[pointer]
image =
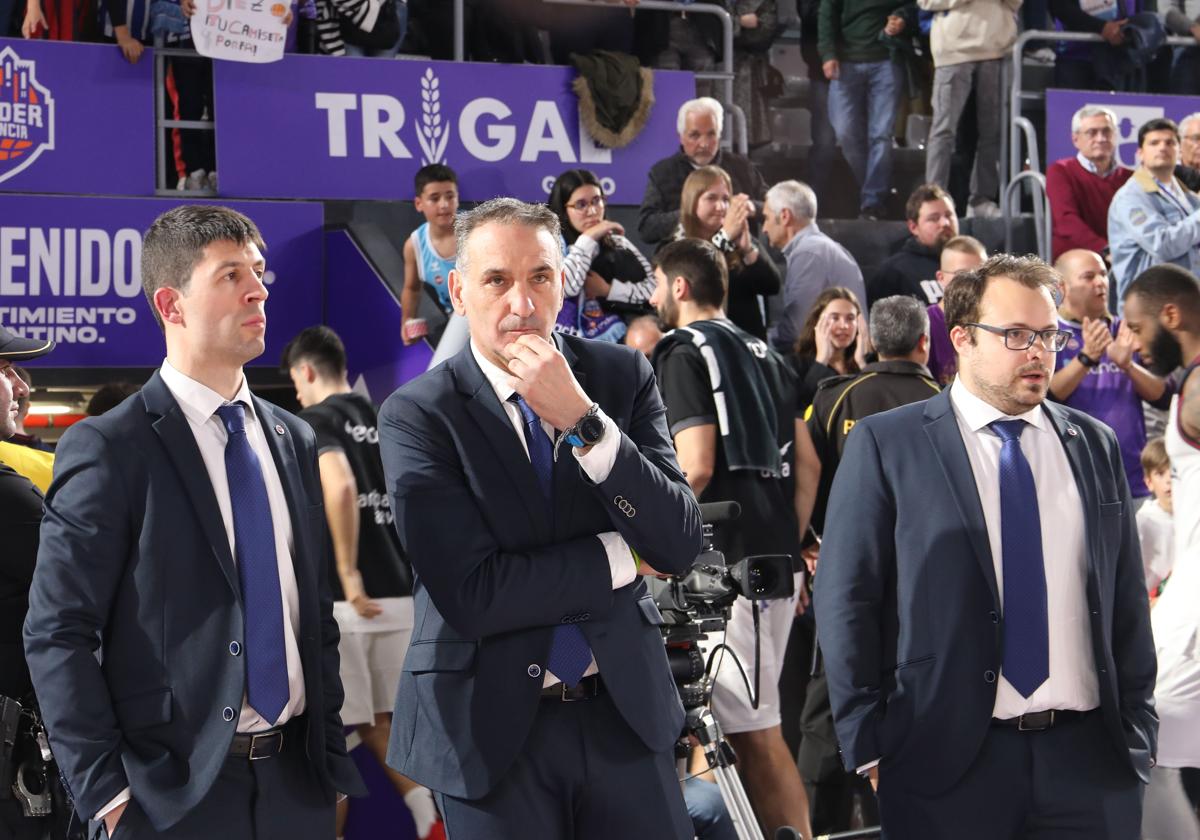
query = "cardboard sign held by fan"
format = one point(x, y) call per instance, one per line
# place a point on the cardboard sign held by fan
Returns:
point(251, 31)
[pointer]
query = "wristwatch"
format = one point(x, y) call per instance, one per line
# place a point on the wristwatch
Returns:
point(1087, 361)
point(588, 430)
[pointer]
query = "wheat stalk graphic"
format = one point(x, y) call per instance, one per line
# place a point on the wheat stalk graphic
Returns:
point(433, 135)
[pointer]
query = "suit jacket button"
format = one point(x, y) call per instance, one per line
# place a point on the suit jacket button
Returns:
point(989, 676)
point(279, 428)
point(994, 616)
point(534, 671)
point(227, 713)
point(234, 648)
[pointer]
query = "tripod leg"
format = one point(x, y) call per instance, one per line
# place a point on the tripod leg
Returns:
point(740, 812)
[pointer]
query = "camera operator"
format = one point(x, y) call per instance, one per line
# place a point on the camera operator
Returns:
point(20, 519)
point(731, 409)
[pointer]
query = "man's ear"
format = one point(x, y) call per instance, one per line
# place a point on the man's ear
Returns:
point(1170, 316)
point(912, 227)
point(166, 304)
point(680, 288)
point(455, 281)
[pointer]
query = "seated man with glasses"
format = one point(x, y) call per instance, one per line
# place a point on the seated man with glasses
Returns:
point(1080, 188)
point(1188, 169)
point(980, 599)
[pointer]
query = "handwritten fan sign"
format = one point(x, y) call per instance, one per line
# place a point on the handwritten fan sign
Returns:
point(251, 31)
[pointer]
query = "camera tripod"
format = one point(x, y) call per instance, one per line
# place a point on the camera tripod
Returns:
point(701, 724)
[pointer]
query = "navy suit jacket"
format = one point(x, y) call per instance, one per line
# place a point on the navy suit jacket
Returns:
point(135, 561)
point(907, 609)
point(497, 569)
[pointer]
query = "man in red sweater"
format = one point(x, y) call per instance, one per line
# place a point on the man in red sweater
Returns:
point(1081, 188)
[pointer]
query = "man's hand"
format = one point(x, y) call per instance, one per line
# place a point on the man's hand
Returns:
point(35, 22)
point(749, 21)
point(365, 607)
point(131, 47)
point(894, 26)
point(873, 775)
point(1096, 337)
point(811, 555)
point(113, 817)
point(1120, 350)
point(542, 376)
point(188, 7)
point(1112, 32)
point(1195, 30)
point(831, 69)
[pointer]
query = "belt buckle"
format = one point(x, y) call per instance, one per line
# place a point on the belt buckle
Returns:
point(566, 697)
point(264, 735)
point(1021, 727)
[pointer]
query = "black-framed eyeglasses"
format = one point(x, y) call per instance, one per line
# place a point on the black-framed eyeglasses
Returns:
point(583, 204)
point(1022, 338)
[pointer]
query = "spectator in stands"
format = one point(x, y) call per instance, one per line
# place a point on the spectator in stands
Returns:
point(370, 578)
point(1185, 71)
point(644, 334)
point(1162, 308)
point(699, 124)
point(57, 20)
point(1153, 218)
point(604, 273)
point(761, 458)
point(970, 42)
point(192, 76)
point(429, 250)
point(1097, 372)
point(900, 333)
point(828, 344)
point(20, 436)
point(1188, 170)
point(814, 261)
point(712, 212)
point(962, 253)
point(108, 396)
point(755, 81)
point(864, 90)
point(693, 43)
point(1081, 188)
point(1089, 66)
point(912, 270)
point(823, 151)
point(362, 28)
point(1155, 519)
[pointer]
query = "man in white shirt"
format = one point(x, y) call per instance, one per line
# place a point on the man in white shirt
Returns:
point(184, 538)
point(980, 601)
point(533, 483)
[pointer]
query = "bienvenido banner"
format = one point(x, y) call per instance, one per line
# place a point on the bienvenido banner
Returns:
point(75, 118)
point(361, 128)
point(70, 270)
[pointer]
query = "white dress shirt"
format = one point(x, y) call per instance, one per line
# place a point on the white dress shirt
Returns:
point(1072, 683)
point(199, 404)
point(597, 462)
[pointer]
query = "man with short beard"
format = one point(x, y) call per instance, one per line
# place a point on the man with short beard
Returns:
point(913, 269)
point(1162, 309)
point(980, 600)
point(1098, 372)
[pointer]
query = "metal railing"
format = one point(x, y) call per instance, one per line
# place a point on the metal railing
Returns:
point(163, 124)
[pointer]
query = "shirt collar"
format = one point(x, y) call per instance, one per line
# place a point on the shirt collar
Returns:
point(977, 414)
point(496, 376)
point(198, 401)
point(1091, 167)
point(810, 229)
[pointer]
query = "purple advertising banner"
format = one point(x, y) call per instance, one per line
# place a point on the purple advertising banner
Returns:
point(75, 118)
point(316, 127)
point(1132, 110)
point(363, 310)
point(70, 270)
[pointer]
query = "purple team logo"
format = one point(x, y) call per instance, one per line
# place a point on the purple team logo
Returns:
point(26, 114)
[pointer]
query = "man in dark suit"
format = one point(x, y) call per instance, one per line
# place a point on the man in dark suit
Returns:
point(980, 599)
point(532, 481)
point(184, 539)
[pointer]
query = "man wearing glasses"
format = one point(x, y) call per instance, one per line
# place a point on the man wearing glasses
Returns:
point(980, 599)
point(1080, 188)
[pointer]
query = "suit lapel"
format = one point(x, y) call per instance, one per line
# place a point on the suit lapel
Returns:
point(180, 444)
point(484, 407)
point(942, 428)
point(283, 452)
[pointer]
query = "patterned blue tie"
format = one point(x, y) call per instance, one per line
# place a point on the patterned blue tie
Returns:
point(570, 654)
point(258, 569)
point(1026, 628)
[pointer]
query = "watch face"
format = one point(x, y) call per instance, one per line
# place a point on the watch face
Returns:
point(591, 429)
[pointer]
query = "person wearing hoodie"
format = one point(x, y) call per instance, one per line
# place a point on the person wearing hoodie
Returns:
point(969, 40)
point(912, 270)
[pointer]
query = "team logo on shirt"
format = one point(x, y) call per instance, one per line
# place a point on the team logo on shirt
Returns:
point(26, 114)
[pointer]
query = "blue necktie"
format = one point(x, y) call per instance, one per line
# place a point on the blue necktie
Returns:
point(570, 654)
point(1026, 627)
point(258, 570)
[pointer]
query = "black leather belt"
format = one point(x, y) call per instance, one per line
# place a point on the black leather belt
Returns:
point(258, 745)
point(586, 689)
point(1038, 721)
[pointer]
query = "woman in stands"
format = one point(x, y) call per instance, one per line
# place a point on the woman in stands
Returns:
point(828, 344)
point(708, 209)
point(606, 276)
